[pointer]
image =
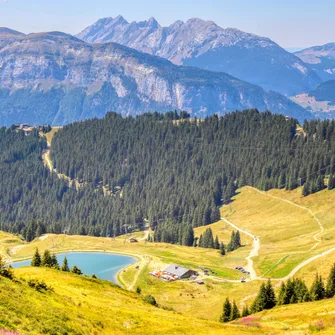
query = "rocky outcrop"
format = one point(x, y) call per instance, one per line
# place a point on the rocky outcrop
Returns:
point(204, 44)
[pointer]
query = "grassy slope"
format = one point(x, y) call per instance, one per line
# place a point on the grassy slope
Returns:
point(286, 231)
point(286, 234)
point(85, 306)
point(299, 319)
point(82, 305)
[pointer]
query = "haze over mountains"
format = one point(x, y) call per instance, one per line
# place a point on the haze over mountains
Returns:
point(204, 44)
point(56, 78)
point(321, 59)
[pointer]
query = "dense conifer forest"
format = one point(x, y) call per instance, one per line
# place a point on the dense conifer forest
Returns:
point(155, 169)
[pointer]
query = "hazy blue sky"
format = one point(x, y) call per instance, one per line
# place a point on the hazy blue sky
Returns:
point(291, 23)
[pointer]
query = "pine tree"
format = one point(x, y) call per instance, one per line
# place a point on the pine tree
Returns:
point(261, 300)
point(305, 189)
point(188, 236)
point(65, 266)
point(237, 240)
point(245, 311)
point(270, 296)
point(222, 249)
point(317, 291)
point(282, 294)
point(216, 243)
point(54, 262)
point(47, 259)
point(330, 290)
point(235, 313)
point(36, 261)
point(200, 244)
point(331, 182)
point(226, 313)
point(76, 270)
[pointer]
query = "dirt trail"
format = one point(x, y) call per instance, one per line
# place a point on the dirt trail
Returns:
point(254, 251)
point(316, 236)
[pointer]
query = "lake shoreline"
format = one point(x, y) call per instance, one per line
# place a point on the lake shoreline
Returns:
point(116, 277)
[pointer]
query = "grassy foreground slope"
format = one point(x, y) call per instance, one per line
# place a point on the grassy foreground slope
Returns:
point(82, 305)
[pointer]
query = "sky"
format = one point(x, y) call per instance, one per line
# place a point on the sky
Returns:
point(294, 24)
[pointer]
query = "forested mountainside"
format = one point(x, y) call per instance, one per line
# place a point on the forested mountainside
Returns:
point(54, 78)
point(206, 45)
point(152, 168)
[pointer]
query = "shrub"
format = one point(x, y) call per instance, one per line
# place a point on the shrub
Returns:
point(150, 300)
point(39, 285)
point(318, 326)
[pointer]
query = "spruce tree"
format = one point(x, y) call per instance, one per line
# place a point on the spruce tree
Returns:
point(305, 189)
point(47, 259)
point(245, 311)
point(317, 291)
point(282, 294)
point(200, 244)
point(270, 296)
point(226, 313)
point(65, 265)
point(237, 240)
point(76, 270)
point(54, 262)
point(188, 237)
point(330, 289)
point(216, 243)
point(235, 313)
point(331, 182)
point(222, 249)
point(36, 261)
point(261, 300)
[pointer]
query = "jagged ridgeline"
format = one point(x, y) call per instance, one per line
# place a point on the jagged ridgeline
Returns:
point(156, 169)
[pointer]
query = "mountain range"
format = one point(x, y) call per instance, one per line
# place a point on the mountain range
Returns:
point(56, 78)
point(321, 59)
point(204, 44)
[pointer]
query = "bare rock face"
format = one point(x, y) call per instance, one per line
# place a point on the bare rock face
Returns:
point(57, 78)
point(204, 44)
point(321, 59)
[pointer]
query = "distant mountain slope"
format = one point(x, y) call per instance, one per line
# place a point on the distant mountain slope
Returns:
point(204, 44)
point(325, 92)
point(320, 101)
point(321, 59)
point(56, 78)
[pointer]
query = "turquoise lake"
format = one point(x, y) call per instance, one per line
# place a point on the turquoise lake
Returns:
point(104, 266)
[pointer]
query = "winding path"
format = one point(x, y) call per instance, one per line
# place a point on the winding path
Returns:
point(316, 236)
point(256, 246)
point(254, 251)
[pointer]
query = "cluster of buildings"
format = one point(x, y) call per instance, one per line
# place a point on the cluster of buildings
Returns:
point(174, 272)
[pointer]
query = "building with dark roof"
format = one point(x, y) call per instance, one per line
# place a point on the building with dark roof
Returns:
point(178, 271)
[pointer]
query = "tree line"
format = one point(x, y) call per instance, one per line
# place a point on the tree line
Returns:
point(49, 260)
point(292, 292)
point(154, 169)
